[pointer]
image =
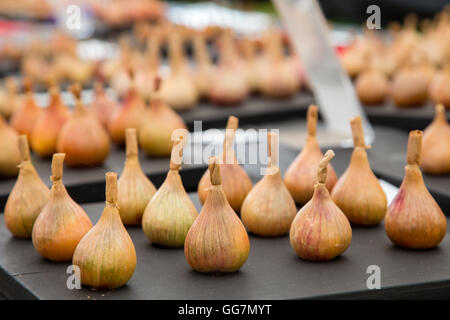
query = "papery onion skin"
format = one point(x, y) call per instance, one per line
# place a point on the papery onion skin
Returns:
point(45, 132)
point(441, 87)
point(358, 192)
point(230, 85)
point(179, 89)
point(82, 138)
point(102, 106)
point(235, 183)
point(436, 145)
point(282, 82)
point(170, 213)
point(157, 125)
point(106, 255)
point(89, 148)
point(268, 209)
point(308, 236)
point(217, 241)
point(372, 87)
point(62, 223)
point(409, 88)
point(300, 175)
point(353, 62)
point(414, 220)
point(320, 230)
point(12, 100)
point(127, 116)
point(280, 78)
point(24, 118)
point(434, 86)
point(204, 72)
point(9, 155)
point(27, 198)
point(135, 190)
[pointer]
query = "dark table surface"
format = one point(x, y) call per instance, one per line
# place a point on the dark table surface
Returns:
point(273, 271)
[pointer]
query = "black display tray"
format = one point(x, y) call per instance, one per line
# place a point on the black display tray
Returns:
point(402, 118)
point(87, 184)
point(273, 271)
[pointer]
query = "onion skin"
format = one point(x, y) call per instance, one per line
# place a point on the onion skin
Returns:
point(83, 139)
point(409, 88)
point(203, 73)
point(435, 83)
point(442, 89)
point(24, 118)
point(27, 198)
point(48, 125)
point(179, 89)
point(414, 219)
point(134, 188)
point(320, 230)
point(155, 131)
point(235, 182)
point(217, 241)
point(9, 155)
point(127, 116)
point(12, 100)
point(353, 62)
point(150, 66)
point(280, 78)
point(229, 86)
point(436, 145)
point(372, 87)
point(102, 106)
point(300, 176)
point(106, 255)
point(281, 81)
point(120, 81)
point(253, 63)
point(62, 223)
point(254, 68)
point(268, 209)
point(359, 194)
point(203, 77)
point(170, 213)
